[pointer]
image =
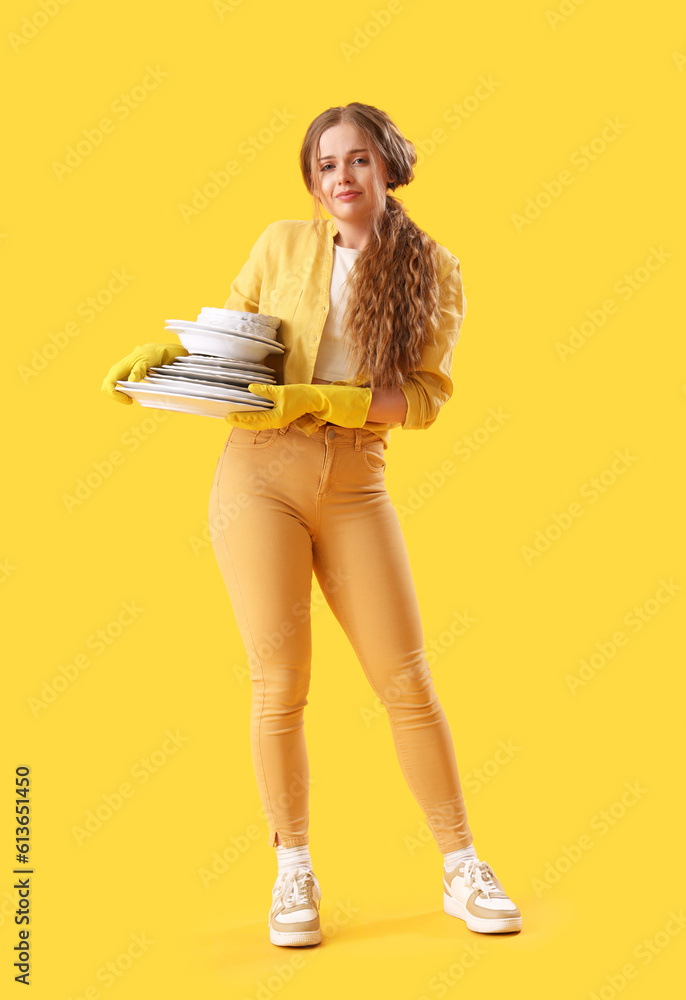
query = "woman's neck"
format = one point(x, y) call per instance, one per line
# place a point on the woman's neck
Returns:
point(351, 237)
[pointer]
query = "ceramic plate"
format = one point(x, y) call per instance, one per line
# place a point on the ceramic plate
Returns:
point(159, 400)
point(210, 360)
point(190, 381)
point(210, 375)
point(199, 392)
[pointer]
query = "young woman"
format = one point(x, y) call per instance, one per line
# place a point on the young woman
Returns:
point(371, 309)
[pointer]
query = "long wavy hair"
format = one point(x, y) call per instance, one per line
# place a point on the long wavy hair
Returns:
point(393, 294)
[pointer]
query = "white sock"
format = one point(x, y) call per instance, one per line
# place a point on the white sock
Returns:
point(289, 858)
point(452, 858)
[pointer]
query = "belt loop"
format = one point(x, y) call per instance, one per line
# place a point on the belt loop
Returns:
point(282, 430)
point(358, 438)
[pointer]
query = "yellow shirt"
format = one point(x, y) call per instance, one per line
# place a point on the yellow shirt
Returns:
point(287, 275)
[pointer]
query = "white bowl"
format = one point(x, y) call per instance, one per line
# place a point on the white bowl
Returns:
point(226, 345)
point(263, 333)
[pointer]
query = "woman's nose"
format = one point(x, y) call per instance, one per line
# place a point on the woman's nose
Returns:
point(344, 175)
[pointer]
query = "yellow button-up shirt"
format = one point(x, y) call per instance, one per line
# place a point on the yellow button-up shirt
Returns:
point(289, 276)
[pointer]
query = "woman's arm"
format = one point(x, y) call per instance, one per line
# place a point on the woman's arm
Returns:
point(244, 295)
point(388, 406)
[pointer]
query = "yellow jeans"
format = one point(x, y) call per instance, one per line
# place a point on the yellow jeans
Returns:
point(284, 504)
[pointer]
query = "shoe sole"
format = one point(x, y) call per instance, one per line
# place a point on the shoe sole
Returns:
point(495, 925)
point(294, 938)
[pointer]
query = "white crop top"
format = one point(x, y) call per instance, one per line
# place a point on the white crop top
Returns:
point(331, 363)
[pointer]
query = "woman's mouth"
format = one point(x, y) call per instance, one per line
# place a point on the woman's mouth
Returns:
point(348, 196)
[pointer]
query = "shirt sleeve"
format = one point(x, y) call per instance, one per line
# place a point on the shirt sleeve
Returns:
point(245, 287)
point(429, 388)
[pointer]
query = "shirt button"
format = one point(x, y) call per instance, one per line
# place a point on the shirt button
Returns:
point(331, 433)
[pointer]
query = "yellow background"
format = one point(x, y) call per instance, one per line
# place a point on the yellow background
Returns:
point(179, 666)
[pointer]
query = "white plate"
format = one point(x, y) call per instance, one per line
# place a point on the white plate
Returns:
point(241, 316)
point(201, 392)
point(221, 366)
point(207, 380)
point(210, 361)
point(191, 387)
point(208, 383)
point(236, 331)
point(210, 374)
point(182, 404)
point(232, 346)
point(229, 372)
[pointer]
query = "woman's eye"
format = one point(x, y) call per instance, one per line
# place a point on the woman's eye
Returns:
point(362, 159)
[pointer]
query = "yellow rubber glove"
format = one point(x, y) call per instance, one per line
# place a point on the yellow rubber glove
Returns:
point(345, 405)
point(134, 366)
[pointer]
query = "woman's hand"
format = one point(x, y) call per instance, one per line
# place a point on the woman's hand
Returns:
point(290, 402)
point(344, 405)
point(134, 366)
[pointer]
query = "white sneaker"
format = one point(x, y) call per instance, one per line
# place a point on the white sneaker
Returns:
point(294, 914)
point(474, 894)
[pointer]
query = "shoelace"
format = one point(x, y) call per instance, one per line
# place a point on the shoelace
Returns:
point(294, 887)
point(480, 874)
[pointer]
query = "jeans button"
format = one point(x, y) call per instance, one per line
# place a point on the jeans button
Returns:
point(331, 433)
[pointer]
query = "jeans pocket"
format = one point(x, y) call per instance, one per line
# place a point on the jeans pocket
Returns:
point(373, 459)
point(244, 437)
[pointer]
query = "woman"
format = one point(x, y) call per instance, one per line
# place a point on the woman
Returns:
point(370, 309)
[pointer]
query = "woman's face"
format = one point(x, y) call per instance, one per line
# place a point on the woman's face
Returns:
point(345, 165)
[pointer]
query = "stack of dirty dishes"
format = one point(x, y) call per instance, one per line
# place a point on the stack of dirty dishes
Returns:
point(226, 348)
